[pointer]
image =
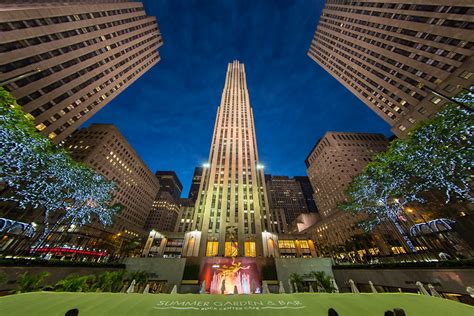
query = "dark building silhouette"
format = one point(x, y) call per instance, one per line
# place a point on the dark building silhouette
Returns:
point(169, 182)
point(308, 192)
point(286, 194)
point(194, 190)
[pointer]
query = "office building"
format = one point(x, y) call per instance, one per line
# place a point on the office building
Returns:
point(286, 194)
point(169, 182)
point(196, 181)
point(104, 148)
point(402, 59)
point(335, 159)
point(164, 213)
point(308, 192)
point(65, 60)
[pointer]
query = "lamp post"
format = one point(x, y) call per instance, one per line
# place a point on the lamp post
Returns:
point(26, 74)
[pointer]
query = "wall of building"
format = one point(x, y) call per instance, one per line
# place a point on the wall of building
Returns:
point(105, 149)
point(162, 269)
point(67, 44)
point(393, 55)
point(286, 266)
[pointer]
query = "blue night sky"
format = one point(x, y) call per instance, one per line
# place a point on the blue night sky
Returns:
point(168, 114)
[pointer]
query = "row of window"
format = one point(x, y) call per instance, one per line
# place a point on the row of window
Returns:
point(406, 6)
point(75, 75)
point(16, 25)
point(77, 117)
point(410, 18)
point(65, 49)
point(23, 43)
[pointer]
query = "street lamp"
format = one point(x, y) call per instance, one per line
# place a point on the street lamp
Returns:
point(26, 74)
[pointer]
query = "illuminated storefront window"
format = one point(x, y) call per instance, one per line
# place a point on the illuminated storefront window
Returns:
point(286, 244)
point(304, 244)
point(212, 248)
point(398, 250)
point(231, 249)
point(250, 249)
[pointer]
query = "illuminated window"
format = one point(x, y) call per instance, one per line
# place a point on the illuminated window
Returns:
point(250, 249)
point(436, 100)
point(398, 250)
point(231, 249)
point(52, 135)
point(465, 75)
point(40, 127)
point(304, 244)
point(286, 244)
point(212, 247)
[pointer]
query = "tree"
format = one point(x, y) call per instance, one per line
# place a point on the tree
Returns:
point(75, 283)
point(437, 155)
point(298, 281)
point(378, 191)
point(44, 177)
point(440, 153)
point(110, 281)
point(322, 280)
point(140, 277)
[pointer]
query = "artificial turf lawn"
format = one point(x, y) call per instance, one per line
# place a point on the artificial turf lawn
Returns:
point(116, 304)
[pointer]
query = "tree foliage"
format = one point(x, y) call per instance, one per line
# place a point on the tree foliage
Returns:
point(75, 283)
point(44, 176)
point(110, 281)
point(437, 155)
point(30, 283)
point(321, 281)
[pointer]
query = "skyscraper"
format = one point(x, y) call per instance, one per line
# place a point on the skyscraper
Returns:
point(194, 189)
point(398, 57)
point(286, 194)
point(169, 182)
point(164, 213)
point(308, 192)
point(65, 60)
point(104, 148)
point(232, 207)
point(335, 159)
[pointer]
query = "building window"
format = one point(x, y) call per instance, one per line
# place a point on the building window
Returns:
point(40, 127)
point(304, 244)
point(449, 88)
point(231, 249)
point(465, 75)
point(402, 128)
point(436, 100)
point(250, 249)
point(286, 244)
point(212, 248)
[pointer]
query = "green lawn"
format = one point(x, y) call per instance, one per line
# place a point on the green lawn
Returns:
point(116, 304)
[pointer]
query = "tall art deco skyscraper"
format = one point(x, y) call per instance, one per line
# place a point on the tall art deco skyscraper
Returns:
point(232, 210)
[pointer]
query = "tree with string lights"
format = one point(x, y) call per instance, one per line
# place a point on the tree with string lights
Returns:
point(437, 155)
point(36, 174)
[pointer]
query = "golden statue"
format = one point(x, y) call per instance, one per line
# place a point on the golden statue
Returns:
point(225, 270)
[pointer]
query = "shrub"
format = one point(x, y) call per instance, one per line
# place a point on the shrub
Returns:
point(30, 283)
